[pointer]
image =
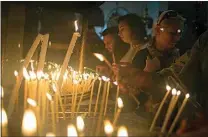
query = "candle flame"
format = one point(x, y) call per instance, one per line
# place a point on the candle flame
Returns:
point(105, 78)
point(80, 124)
point(99, 56)
point(122, 132)
point(49, 96)
point(187, 95)
point(39, 74)
point(2, 92)
point(46, 76)
point(108, 127)
point(178, 92)
point(76, 25)
point(50, 134)
point(120, 102)
point(75, 81)
point(31, 102)
point(115, 82)
point(168, 88)
point(71, 131)
point(25, 74)
point(29, 123)
point(54, 87)
point(4, 119)
point(15, 73)
point(19, 46)
point(174, 92)
point(32, 75)
point(65, 75)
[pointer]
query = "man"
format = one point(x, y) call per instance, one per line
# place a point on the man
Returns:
point(115, 48)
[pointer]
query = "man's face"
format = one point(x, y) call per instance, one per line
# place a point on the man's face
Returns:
point(125, 32)
point(169, 35)
point(109, 41)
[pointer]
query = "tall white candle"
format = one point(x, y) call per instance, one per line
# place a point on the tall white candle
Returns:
point(168, 88)
point(179, 113)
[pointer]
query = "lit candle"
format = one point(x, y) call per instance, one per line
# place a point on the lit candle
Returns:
point(43, 51)
point(91, 95)
point(80, 125)
point(179, 113)
point(68, 54)
point(52, 112)
point(168, 88)
point(106, 99)
point(117, 94)
point(4, 122)
point(99, 89)
point(122, 132)
point(29, 123)
point(168, 114)
point(120, 106)
point(71, 131)
point(27, 78)
point(101, 105)
point(108, 128)
point(102, 58)
point(15, 90)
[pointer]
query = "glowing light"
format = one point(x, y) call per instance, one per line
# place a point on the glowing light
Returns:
point(49, 134)
point(122, 132)
point(187, 95)
point(15, 73)
point(99, 56)
point(80, 123)
point(76, 25)
point(4, 119)
point(120, 102)
point(174, 92)
point(168, 88)
point(71, 131)
point(49, 96)
point(31, 102)
point(108, 127)
point(25, 74)
point(29, 123)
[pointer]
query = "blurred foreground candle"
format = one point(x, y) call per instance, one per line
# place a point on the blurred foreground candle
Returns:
point(26, 85)
point(71, 131)
point(179, 113)
point(168, 88)
point(120, 106)
point(108, 128)
point(4, 122)
point(50, 134)
point(122, 132)
point(29, 123)
point(80, 126)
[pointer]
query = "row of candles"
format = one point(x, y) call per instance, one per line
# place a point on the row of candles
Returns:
point(172, 104)
point(30, 123)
